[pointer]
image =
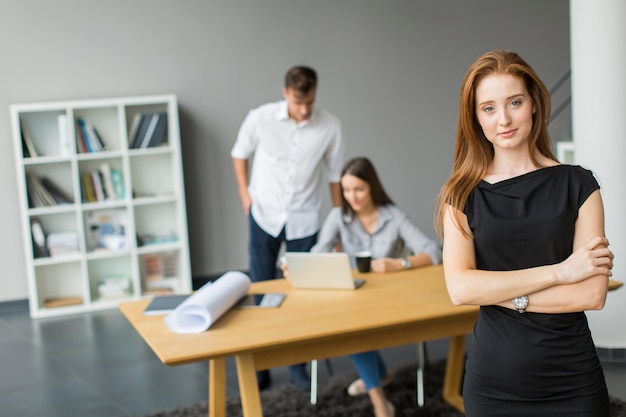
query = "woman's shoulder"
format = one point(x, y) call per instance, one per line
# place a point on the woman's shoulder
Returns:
point(573, 172)
point(393, 212)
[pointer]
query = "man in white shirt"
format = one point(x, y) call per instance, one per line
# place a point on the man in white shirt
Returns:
point(295, 148)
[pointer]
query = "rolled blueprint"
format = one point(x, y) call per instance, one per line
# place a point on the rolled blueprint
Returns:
point(198, 312)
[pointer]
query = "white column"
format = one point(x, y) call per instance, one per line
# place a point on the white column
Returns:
point(598, 54)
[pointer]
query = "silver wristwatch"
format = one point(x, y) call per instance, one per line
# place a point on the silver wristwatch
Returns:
point(521, 303)
point(406, 264)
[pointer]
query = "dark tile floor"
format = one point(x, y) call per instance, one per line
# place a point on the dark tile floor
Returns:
point(95, 364)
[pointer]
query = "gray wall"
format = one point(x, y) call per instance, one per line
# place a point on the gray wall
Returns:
point(390, 70)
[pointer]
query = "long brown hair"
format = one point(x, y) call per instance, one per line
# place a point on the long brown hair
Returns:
point(473, 152)
point(363, 169)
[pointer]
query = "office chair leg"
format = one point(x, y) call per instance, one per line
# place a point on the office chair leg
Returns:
point(329, 367)
point(313, 382)
point(421, 347)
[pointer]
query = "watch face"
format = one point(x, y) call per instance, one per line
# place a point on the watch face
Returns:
point(520, 303)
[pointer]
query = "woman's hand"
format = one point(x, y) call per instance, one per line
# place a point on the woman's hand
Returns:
point(386, 265)
point(592, 259)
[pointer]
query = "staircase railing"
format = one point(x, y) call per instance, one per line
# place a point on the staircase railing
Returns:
point(565, 75)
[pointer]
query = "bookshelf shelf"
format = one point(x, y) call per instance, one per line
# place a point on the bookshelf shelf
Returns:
point(107, 197)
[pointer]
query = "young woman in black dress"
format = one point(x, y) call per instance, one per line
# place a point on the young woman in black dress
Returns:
point(524, 239)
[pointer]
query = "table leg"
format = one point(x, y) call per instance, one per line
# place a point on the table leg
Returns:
point(454, 373)
point(248, 387)
point(217, 388)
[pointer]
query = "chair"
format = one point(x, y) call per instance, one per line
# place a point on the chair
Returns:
point(421, 360)
point(329, 368)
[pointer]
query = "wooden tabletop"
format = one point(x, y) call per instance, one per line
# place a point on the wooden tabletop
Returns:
point(613, 285)
point(385, 301)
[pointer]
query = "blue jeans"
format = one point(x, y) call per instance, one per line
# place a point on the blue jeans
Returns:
point(264, 248)
point(370, 367)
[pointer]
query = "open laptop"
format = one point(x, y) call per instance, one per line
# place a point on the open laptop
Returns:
point(322, 271)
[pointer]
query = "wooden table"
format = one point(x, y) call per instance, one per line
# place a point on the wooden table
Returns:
point(389, 310)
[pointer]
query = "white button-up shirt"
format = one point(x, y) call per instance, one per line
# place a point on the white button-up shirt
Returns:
point(291, 161)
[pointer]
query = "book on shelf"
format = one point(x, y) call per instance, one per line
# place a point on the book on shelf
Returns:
point(140, 131)
point(40, 248)
point(27, 143)
point(86, 186)
point(148, 130)
point(102, 184)
point(93, 141)
point(114, 286)
point(62, 243)
point(37, 196)
point(81, 143)
point(118, 183)
point(97, 185)
point(160, 272)
point(107, 181)
point(59, 196)
point(134, 128)
point(65, 143)
point(160, 132)
point(154, 120)
point(42, 192)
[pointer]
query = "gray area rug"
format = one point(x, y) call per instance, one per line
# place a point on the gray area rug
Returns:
point(288, 401)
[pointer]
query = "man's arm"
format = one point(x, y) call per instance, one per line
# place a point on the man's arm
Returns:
point(240, 167)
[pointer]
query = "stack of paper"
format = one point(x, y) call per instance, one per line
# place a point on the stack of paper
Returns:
point(198, 312)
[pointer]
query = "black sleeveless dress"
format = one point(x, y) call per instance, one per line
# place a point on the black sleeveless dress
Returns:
point(531, 364)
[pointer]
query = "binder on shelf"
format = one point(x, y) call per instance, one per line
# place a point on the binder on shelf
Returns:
point(134, 128)
point(149, 130)
point(40, 250)
point(154, 119)
point(141, 131)
point(160, 132)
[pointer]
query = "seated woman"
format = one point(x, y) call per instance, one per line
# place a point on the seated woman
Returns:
point(368, 220)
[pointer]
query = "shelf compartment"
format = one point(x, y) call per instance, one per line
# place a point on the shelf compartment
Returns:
point(156, 224)
point(62, 239)
point(160, 273)
point(48, 133)
point(105, 120)
point(55, 179)
point(107, 231)
point(133, 114)
point(59, 285)
point(109, 186)
point(151, 175)
point(110, 278)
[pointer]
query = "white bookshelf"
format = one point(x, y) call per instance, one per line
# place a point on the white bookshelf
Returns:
point(135, 239)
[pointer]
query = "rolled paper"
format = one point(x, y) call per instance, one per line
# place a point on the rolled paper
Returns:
point(202, 308)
